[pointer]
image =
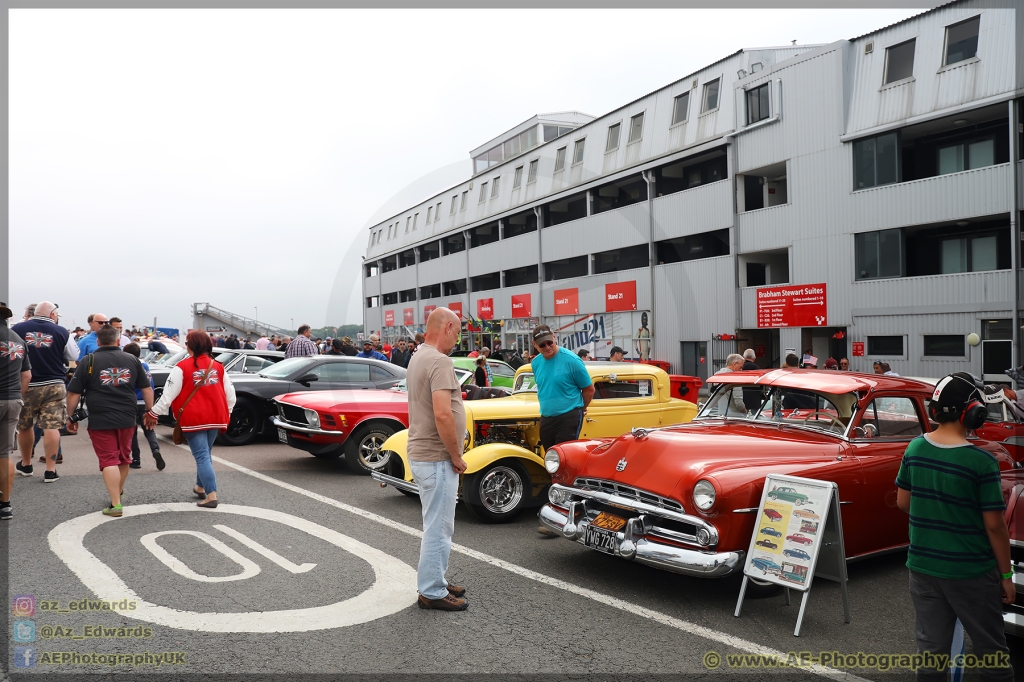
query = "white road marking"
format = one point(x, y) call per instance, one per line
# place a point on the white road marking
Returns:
point(620, 604)
point(249, 568)
point(393, 590)
point(269, 553)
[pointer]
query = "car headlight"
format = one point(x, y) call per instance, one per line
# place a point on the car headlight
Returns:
point(558, 497)
point(704, 494)
point(312, 418)
point(552, 461)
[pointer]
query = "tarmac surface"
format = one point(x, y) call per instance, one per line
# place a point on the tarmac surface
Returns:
point(306, 569)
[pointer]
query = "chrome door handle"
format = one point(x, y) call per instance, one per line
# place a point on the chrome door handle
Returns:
point(589, 419)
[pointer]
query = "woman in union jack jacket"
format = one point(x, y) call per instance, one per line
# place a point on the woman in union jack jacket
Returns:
point(200, 397)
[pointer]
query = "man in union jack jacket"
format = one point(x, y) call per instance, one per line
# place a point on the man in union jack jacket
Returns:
point(109, 378)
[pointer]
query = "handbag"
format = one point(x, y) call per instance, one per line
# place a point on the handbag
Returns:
point(178, 437)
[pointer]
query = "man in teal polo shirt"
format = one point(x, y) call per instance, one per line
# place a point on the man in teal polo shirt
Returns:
point(959, 557)
point(564, 388)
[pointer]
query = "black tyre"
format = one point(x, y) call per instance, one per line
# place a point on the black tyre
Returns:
point(244, 425)
point(498, 493)
point(363, 452)
point(396, 468)
point(334, 453)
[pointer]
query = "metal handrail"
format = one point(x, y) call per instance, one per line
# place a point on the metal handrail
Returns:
point(238, 321)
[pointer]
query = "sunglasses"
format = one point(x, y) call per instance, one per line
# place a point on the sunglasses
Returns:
point(545, 344)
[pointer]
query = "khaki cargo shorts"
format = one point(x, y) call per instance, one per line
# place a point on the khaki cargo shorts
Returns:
point(44, 407)
point(9, 412)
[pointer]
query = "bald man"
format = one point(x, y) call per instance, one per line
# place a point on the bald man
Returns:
point(437, 422)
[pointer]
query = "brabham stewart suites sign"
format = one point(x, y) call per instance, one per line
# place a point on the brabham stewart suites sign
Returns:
point(792, 305)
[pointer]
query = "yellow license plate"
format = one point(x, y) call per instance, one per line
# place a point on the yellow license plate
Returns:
point(609, 522)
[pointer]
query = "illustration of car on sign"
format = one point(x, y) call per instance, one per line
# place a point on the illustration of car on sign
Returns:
point(765, 565)
point(768, 530)
point(690, 494)
point(796, 554)
point(788, 495)
point(505, 459)
point(809, 527)
point(799, 539)
point(766, 543)
point(805, 514)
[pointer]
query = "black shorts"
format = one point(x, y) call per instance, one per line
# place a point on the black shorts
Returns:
point(561, 428)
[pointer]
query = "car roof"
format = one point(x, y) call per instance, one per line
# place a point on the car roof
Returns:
point(250, 351)
point(601, 369)
point(823, 381)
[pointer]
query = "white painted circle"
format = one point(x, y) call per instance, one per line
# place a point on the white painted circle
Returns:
point(393, 590)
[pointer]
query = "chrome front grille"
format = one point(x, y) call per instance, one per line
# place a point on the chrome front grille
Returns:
point(629, 492)
point(292, 413)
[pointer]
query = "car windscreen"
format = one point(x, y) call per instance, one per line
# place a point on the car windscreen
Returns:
point(284, 368)
point(797, 407)
point(171, 359)
point(462, 375)
point(525, 383)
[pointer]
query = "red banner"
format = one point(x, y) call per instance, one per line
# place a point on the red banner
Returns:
point(567, 301)
point(427, 309)
point(456, 308)
point(858, 349)
point(620, 296)
point(521, 306)
point(408, 316)
point(389, 318)
point(485, 308)
point(792, 305)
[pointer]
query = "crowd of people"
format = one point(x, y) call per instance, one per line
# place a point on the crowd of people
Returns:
point(51, 379)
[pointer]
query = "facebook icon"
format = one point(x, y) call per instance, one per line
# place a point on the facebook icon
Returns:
point(24, 657)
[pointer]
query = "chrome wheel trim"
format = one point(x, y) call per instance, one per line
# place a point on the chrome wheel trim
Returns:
point(501, 490)
point(370, 453)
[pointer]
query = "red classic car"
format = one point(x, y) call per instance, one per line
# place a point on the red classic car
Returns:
point(354, 423)
point(1013, 614)
point(1003, 424)
point(802, 539)
point(685, 498)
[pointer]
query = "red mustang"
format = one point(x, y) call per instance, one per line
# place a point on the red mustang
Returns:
point(685, 498)
point(354, 423)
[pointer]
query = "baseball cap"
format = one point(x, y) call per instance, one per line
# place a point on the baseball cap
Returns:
point(616, 349)
point(542, 332)
point(831, 364)
point(954, 391)
point(5, 312)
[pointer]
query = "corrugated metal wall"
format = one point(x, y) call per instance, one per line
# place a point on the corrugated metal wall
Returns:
point(701, 209)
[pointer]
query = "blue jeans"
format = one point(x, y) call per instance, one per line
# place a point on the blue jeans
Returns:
point(200, 443)
point(439, 488)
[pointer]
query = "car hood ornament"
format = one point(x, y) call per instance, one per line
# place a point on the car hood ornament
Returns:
point(621, 465)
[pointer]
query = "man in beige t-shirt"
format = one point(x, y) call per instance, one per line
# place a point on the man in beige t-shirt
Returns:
point(437, 424)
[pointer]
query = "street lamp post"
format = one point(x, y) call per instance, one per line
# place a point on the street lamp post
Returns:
point(255, 320)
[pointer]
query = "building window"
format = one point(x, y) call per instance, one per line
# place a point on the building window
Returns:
point(532, 176)
point(629, 190)
point(710, 96)
point(551, 132)
point(486, 282)
point(454, 243)
point(962, 40)
point(566, 209)
point(758, 103)
point(876, 161)
point(879, 254)
point(704, 245)
point(967, 155)
point(485, 234)
point(636, 128)
point(407, 258)
point(889, 346)
point(430, 251)
point(429, 211)
point(521, 276)
point(408, 222)
point(517, 179)
point(899, 61)
point(560, 159)
point(406, 295)
point(685, 174)
point(415, 220)
point(455, 203)
point(495, 184)
point(465, 197)
point(613, 138)
point(948, 345)
point(520, 143)
point(372, 302)
point(628, 258)
point(430, 291)
point(577, 151)
point(437, 212)
point(680, 106)
point(969, 254)
point(454, 287)
point(390, 299)
point(483, 192)
point(565, 269)
point(520, 223)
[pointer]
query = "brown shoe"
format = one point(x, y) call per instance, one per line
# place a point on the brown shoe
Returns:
point(207, 504)
point(448, 603)
point(456, 590)
point(42, 458)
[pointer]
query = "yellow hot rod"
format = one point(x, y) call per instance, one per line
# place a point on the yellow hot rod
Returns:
point(502, 448)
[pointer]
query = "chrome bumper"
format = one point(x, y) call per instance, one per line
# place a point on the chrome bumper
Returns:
point(399, 483)
point(288, 426)
point(667, 557)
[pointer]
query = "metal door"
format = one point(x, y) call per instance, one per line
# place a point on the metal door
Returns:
point(695, 359)
point(996, 358)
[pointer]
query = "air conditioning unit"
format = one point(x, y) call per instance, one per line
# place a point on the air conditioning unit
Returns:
point(869, 47)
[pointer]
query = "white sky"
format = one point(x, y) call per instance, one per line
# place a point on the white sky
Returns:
point(163, 157)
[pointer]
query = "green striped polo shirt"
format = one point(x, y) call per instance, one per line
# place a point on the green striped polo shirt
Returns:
point(950, 486)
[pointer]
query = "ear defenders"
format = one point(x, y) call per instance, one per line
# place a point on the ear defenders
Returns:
point(972, 414)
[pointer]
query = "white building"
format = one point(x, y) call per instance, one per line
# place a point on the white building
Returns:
point(855, 200)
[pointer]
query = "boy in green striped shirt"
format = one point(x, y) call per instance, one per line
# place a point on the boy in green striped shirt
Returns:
point(959, 557)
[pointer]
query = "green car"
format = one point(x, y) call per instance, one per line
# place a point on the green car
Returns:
point(501, 372)
point(787, 494)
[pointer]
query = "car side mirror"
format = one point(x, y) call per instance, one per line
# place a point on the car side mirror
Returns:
point(306, 378)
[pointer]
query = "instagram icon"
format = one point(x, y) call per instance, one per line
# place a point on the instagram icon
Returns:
point(24, 605)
